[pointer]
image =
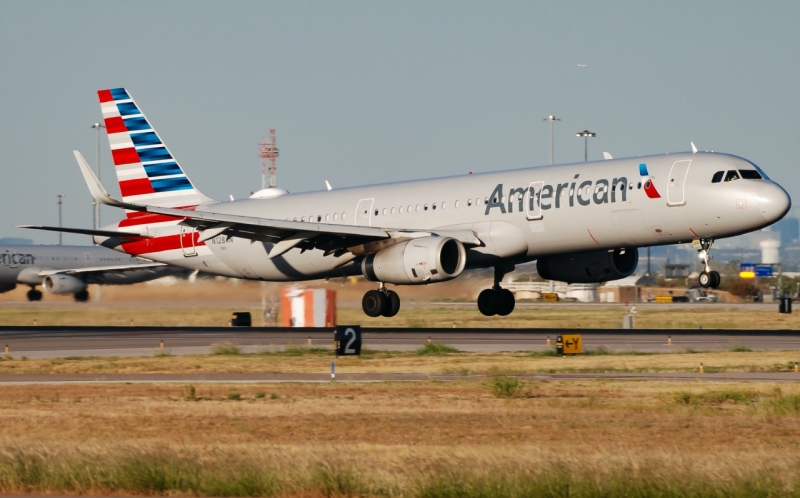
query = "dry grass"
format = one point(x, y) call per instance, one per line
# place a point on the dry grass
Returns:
point(317, 360)
point(421, 439)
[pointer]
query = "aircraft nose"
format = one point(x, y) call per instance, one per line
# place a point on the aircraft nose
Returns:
point(773, 202)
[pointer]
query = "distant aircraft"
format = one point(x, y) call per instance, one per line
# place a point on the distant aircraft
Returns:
point(581, 222)
point(69, 269)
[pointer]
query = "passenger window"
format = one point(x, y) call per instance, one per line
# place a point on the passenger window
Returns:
point(327, 217)
point(393, 210)
point(401, 209)
point(731, 175)
point(457, 203)
point(384, 211)
point(750, 174)
point(434, 206)
point(335, 216)
point(639, 185)
point(469, 202)
point(426, 207)
point(717, 177)
point(417, 207)
point(443, 205)
point(343, 215)
point(409, 209)
point(376, 212)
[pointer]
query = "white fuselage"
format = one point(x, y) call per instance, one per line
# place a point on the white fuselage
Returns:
point(576, 207)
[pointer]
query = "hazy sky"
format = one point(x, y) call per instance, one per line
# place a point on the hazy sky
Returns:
point(367, 92)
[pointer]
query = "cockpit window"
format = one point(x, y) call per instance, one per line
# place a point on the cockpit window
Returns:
point(750, 174)
point(760, 171)
point(731, 175)
point(717, 177)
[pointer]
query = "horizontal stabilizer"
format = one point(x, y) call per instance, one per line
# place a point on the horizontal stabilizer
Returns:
point(89, 231)
point(104, 269)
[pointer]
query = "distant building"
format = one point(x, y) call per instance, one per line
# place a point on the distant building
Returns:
point(16, 241)
point(789, 228)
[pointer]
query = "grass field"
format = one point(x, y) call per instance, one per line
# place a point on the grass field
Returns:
point(549, 438)
point(705, 316)
point(299, 359)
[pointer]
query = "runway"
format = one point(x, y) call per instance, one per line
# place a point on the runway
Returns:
point(55, 342)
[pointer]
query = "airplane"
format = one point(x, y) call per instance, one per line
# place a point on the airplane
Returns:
point(581, 223)
point(70, 269)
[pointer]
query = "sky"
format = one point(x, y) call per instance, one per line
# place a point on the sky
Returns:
point(378, 91)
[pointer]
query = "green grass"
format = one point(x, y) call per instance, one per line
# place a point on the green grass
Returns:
point(225, 348)
point(436, 349)
point(234, 396)
point(503, 386)
point(740, 349)
point(153, 473)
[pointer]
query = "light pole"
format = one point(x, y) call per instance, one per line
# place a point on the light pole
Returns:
point(551, 120)
point(96, 205)
point(586, 134)
point(59, 201)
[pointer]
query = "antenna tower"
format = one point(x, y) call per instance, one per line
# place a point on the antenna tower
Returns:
point(268, 152)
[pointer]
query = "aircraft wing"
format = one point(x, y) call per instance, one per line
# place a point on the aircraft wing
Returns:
point(88, 231)
point(103, 269)
point(333, 239)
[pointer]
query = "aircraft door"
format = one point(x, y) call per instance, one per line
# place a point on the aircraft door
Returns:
point(11, 258)
point(676, 195)
point(533, 201)
point(187, 241)
point(364, 212)
point(88, 260)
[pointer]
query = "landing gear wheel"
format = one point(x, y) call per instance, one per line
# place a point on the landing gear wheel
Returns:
point(507, 302)
point(81, 296)
point(488, 302)
point(715, 279)
point(705, 279)
point(374, 303)
point(34, 295)
point(392, 305)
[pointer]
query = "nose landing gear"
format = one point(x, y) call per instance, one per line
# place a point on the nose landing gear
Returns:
point(381, 302)
point(707, 278)
point(497, 301)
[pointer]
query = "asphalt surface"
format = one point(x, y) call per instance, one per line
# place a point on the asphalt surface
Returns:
point(54, 342)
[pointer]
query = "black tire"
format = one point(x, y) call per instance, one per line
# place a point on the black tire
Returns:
point(374, 303)
point(715, 279)
point(81, 296)
point(392, 305)
point(704, 279)
point(488, 302)
point(507, 302)
point(34, 295)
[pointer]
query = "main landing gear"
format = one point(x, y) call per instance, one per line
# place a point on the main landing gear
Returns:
point(34, 295)
point(81, 296)
point(497, 301)
point(381, 302)
point(707, 278)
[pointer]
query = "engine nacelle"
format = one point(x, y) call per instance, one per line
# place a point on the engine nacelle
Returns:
point(589, 267)
point(417, 261)
point(63, 284)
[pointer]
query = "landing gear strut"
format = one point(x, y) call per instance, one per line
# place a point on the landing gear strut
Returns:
point(34, 295)
point(707, 278)
point(497, 301)
point(381, 302)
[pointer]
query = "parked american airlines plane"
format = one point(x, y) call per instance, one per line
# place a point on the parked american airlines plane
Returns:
point(581, 222)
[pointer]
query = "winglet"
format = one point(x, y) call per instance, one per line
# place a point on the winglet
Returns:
point(694, 149)
point(328, 185)
point(95, 188)
point(607, 156)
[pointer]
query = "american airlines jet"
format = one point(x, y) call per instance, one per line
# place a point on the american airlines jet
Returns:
point(580, 222)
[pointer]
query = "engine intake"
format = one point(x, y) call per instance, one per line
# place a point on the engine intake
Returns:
point(417, 261)
point(63, 284)
point(589, 267)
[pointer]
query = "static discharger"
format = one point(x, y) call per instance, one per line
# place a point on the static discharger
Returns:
point(569, 344)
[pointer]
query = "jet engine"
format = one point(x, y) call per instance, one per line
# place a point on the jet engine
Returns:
point(63, 284)
point(589, 267)
point(417, 261)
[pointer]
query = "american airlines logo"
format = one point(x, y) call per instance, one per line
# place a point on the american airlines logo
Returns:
point(544, 196)
point(13, 259)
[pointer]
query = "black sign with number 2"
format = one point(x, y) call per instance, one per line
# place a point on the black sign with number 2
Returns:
point(348, 340)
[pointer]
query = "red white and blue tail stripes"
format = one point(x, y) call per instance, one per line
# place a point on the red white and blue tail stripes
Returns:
point(146, 170)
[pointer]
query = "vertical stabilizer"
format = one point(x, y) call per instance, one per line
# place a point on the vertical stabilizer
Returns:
point(146, 170)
